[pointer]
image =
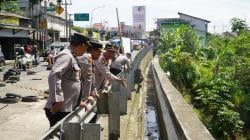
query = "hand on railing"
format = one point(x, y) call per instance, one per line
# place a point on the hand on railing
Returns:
point(84, 103)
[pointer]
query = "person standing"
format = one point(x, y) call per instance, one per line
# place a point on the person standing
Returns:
point(87, 71)
point(64, 80)
point(102, 72)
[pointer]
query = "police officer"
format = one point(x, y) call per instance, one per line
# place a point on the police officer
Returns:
point(120, 62)
point(87, 71)
point(102, 72)
point(64, 80)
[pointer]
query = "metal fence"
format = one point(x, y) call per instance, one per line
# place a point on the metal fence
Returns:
point(77, 126)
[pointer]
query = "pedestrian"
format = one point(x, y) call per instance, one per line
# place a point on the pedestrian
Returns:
point(34, 52)
point(50, 58)
point(119, 63)
point(87, 72)
point(64, 80)
point(102, 71)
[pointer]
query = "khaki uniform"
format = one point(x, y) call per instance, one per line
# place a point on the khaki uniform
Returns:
point(120, 61)
point(64, 81)
point(87, 77)
point(102, 72)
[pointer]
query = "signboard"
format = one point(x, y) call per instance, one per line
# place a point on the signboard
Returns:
point(139, 18)
point(81, 16)
point(59, 9)
point(9, 20)
point(43, 23)
point(51, 9)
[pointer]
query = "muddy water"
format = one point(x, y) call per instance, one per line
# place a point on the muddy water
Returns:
point(151, 126)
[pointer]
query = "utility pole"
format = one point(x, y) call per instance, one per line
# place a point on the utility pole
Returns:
point(119, 29)
point(66, 18)
point(70, 25)
point(45, 31)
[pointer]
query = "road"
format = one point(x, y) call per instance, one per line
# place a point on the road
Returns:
point(25, 120)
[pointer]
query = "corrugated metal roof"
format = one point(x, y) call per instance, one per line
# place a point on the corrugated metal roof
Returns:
point(15, 27)
point(4, 13)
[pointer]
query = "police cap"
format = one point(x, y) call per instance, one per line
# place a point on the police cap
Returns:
point(79, 39)
point(110, 47)
point(96, 45)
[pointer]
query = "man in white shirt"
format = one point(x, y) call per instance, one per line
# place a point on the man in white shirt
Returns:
point(121, 62)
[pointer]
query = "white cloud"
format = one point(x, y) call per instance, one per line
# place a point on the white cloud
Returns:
point(219, 12)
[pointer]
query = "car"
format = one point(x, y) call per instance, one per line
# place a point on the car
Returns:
point(2, 60)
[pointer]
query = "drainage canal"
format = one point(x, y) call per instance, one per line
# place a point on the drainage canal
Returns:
point(151, 123)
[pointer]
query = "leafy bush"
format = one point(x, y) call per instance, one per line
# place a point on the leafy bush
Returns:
point(217, 77)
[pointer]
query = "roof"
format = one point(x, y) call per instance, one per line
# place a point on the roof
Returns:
point(15, 27)
point(4, 13)
point(171, 19)
point(179, 13)
point(55, 15)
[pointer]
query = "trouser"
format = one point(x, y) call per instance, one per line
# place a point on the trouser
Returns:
point(54, 117)
point(115, 71)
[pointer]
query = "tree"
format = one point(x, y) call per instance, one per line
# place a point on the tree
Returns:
point(10, 6)
point(237, 24)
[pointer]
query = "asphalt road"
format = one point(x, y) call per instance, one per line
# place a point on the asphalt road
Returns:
point(25, 120)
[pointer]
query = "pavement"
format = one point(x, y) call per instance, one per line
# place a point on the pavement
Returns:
point(25, 120)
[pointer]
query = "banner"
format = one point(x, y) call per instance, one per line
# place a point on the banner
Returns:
point(139, 18)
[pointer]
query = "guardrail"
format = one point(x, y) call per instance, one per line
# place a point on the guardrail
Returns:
point(76, 124)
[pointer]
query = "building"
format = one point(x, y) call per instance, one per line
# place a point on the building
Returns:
point(199, 25)
point(170, 23)
point(56, 24)
point(15, 31)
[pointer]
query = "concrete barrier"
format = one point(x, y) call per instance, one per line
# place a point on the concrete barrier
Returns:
point(177, 119)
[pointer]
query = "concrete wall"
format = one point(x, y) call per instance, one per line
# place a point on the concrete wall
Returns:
point(176, 113)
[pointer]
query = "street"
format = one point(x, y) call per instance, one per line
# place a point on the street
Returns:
point(25, 120)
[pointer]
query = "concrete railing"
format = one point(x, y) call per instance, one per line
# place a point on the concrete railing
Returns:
point(176, 116)
point(76, 124)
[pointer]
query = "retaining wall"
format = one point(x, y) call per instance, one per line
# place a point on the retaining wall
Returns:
point(178, 121)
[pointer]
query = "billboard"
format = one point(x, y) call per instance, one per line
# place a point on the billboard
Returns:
point(139, 18)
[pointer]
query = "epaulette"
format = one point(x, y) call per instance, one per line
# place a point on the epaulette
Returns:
point(90, 60)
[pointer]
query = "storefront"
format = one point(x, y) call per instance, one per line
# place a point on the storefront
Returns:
point(15, 31)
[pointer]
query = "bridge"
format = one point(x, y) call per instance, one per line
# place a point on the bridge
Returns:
point(120, 113)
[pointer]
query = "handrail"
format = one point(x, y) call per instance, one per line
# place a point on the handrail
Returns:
point(80, 114)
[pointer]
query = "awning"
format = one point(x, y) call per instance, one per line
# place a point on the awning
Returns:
point(13, 30)
point(3, 26)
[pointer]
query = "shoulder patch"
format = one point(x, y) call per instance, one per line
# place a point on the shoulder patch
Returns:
point(90, 61)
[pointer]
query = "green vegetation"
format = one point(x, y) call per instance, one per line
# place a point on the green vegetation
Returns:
point(215, 79)
point(10, 6)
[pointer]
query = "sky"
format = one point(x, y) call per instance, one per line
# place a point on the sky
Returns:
point(219, 12)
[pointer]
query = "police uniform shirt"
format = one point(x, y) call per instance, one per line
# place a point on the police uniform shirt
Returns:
point(87, 77)
point(64, 81)
point(102, 71)
point(120, 61)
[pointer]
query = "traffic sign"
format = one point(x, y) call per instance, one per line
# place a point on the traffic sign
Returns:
point(59, 9)
point(51, 9)
point(42, 24)
point(81, 16)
